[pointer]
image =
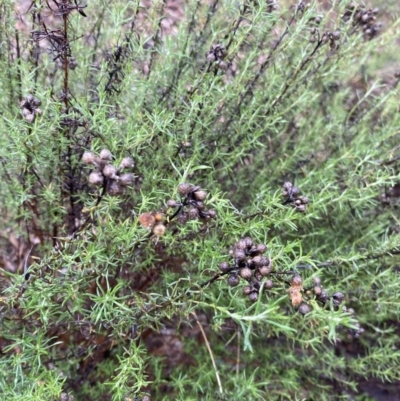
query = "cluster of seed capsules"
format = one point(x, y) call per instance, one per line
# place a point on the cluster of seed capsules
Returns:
point(296, 292)
point(327, 37)
point(366, 19)
point(216, 56)
point(322, 296)
point(249, 265)
point(292, 197)
point(153, 221)
point(107, 174)
point(30, 108)
point(191, 206)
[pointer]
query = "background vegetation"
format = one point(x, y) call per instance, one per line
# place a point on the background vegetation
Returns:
point(109, 291)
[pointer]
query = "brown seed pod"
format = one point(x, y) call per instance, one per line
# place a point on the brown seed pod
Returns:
point(212, 213)
point(268, 284)
point(200, 205)
point(159, 230)
point(182, 218)
point(241, 244)
point(109, 171)
point(259, 261)
point(193, 213)
point(296, 281)
point(338, 298)
point(246, 273)
point(184, 189)
point(147, 220)
point(224, 267)
point(30, 118)
point(239, 254)
point(249, 242)
point(158, 216)
point(246, 290)
point(301, 208)
point(96, 178)
point(89, 158)
point(126, 162)
point(200, 195)
point(126, 179)
point(323, 296)
point(304, 308)
point(253, 296)
point(317, 290)
point(223, 65)
point(265, 270)
point(261, 248)
point(105, 154)
point(233, 280)
point(173, 203)
point(258, 276)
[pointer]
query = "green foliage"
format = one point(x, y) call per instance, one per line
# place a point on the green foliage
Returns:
point(237, 98)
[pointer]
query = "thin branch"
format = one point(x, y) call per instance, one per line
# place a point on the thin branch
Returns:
point(210, 352)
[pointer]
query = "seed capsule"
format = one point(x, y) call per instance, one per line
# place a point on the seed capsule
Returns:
point(159, 216)
point(261, 248)
point(126, 162)
point(304, 308)
point(105, 154)
point(200, 195)
point(30, 118)
point(253, 296)
point(304, 200)
point(249, 242)
point(323, 297)
point(200, 205)
point(182, 218)
point(36, 102)
point(338, 298)
point(246, 290)
point(301, 208)
point(296, 281)
point(88, 158)
point(159, 230)
point(258, 276)
point(265, 270)
point(246, 273)
point(184, 188)
point(173, 203)
point(96, 178)
point(224, 267)
point(114, 188)
point(241, 244)
point(147, 220)
point(233, 280)
point(126, 179)
point(317, 290)
point(109, 170)
point(193, 213)
point(268, 284)
point(212, 213)
point(259, 261)
point(239, 254)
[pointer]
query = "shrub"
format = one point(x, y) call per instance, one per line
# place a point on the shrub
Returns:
point(199, 200)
